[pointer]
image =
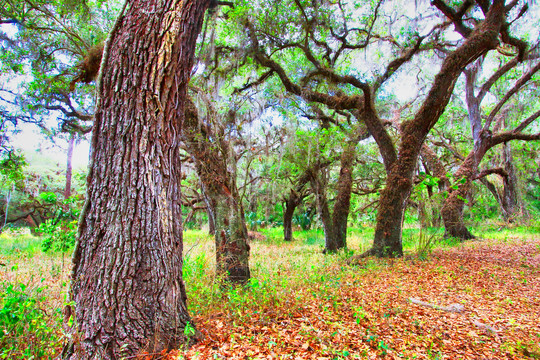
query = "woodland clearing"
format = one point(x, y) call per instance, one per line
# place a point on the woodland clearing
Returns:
point(476, 300)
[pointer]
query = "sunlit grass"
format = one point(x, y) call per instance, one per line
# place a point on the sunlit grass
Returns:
point(285, 275)
point(19, 241)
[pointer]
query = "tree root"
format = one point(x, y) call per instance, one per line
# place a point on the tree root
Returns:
point(457, 308)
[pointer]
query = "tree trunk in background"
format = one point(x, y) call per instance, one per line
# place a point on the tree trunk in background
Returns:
point(335, 224)
point(127, 276)
point(400, 167)
point(436, 168)
point(452, 210)
point(290, 205)
point(509, 197)
point(296, 196)
point(342, 204)
point(219, 189)
point(69, 167)
point(318, 184)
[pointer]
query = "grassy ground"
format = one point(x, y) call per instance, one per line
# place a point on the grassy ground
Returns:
point(301, 304)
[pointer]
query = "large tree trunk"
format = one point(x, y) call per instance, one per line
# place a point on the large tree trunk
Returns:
point(400, 168)
point(219, 189)
point(452, 210)
point(392, 204)
point(127, 276)
point(342, 204)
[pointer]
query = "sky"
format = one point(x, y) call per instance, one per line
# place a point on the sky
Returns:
point(30, 141)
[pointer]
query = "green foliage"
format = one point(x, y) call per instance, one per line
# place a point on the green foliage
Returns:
point(58, 236)
point(304, 219)
point(27, 331)
point(12, 164)
point(59, 233)
point(19, 241)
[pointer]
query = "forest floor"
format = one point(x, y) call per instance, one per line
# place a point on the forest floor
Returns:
point(477, 300)
point(480, 300)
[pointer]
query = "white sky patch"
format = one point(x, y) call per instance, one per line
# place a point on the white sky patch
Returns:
point(31, 141)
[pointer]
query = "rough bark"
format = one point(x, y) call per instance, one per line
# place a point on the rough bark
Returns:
point(509, 197)
point(393, 201)
point(127, 275)
point(335, 223)
point(399, 164)
point(290, 205)
point(342, 203)
point(452, 210)
point(483, 141)
point(221, 194)
point(295, 198)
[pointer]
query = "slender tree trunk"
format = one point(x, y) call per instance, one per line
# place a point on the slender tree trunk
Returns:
point(211, 224)
point(296, 196)
point(510, 198)
point(127, 276)
point(69, 167)
point(335, 223)
point(219, 189)
point(290, 205)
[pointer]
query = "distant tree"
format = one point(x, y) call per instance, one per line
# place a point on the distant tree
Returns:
point(487, 134)
point(326, 40)
point(12, 164)
point(211, 154)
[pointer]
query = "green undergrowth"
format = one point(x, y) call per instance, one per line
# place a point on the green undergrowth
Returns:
point(285, 275)
point(281, 270)
point(29, 329)
point(19, 241)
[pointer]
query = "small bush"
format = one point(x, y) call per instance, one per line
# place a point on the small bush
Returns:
point(27, 331)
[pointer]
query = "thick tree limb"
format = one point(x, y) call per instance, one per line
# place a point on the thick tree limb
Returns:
point(499, 171)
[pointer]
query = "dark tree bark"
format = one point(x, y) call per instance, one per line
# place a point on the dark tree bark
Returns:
point(221, 193)
point(127, 276)
point(484, 139)
point(452, 210)
point(295, 198)
point(399, 164)
point(335, 223)
point(509, 197)
point(388, 241)
point(69, 166)
point(292, 201)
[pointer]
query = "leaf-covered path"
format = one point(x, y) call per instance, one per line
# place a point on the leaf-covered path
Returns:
point(365, 310)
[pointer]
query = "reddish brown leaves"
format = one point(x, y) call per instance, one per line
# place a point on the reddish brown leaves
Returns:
point(365, 312)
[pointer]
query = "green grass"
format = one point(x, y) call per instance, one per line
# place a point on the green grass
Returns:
point(284, 274)
point(19, 241)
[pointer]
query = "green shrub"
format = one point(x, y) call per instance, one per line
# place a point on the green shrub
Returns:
point(58, 236)
point(27, 331)
point(59, 233)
